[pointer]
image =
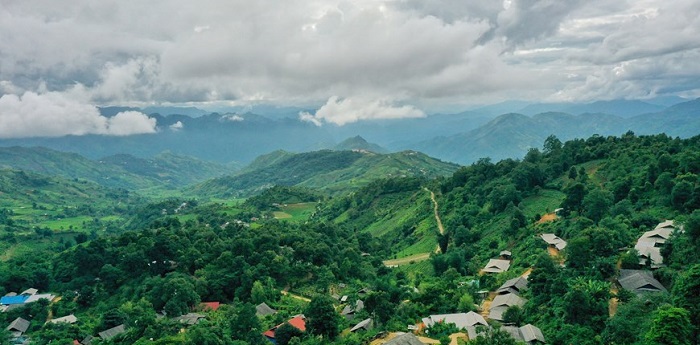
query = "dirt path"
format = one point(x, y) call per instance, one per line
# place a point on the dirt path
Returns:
point(406, 260)
point(435, 210)
point(612, 306)
point(286, 293)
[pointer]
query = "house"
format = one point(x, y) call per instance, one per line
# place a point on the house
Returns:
point(65, 319)
point(190, 318)
point(648, 245)
point(262, 310)
point(554, 241)
point(213, 306)
point(514, 286)
point(349, 310)
point(639, 281)
point(461, 320)
point(365, 324)
point(528, 334)
point(405, 339)
point(506, 254)
point(87, 340)
point(298, 322)
point(502, 302)
point(112, 332)
point(18, 327)
point(496, 266)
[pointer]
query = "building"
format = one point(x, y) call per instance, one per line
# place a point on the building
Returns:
point(496, 266)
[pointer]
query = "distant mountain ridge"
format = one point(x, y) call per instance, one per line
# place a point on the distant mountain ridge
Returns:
point(511, 135)
point(359, 143)
point(331, 171)
point(119, 171)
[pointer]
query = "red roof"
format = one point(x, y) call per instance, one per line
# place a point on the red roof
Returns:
point(297, 321)
point(211, 305)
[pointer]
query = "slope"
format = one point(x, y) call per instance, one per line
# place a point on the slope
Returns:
point(331, 171)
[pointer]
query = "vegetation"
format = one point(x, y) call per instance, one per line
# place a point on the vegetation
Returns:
point(167, 256)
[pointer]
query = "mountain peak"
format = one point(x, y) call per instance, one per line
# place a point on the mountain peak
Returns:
point(359, 143)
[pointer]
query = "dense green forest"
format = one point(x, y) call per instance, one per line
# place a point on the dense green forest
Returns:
point(380, 243)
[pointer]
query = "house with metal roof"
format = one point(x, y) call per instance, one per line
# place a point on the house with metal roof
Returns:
point(405, 339)
point(262, 310)
point(496, 266)
point(514, 286)
point(554, 241)
point(639, 281)
point(298, 322)
point(18, 326)
point(16, 299)
point(112, 332)
point(502, 302)
point(461, 320)
point(349, 310)
point(65, 319)
point(528, 334)
point(365, 324)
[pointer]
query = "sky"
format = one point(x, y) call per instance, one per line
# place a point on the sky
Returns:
point(350, 60)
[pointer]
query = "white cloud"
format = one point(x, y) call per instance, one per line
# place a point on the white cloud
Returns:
point(177, 126)
point(55, 114)
point(233, 118)
point(349, 110)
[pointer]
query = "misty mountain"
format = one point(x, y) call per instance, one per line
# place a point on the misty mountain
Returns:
point(331, 171)
point(622, 108)
point(511, 135)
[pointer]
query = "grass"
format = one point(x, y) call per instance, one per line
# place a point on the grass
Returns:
point(546, 201)
point(296, 212)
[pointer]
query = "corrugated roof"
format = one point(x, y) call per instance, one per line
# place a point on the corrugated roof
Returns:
point(508, 300)
point(364, 324)
point(19, 324)
point(512, 285)
point(211, 305)
point(639, 281)
point(30, 291)
point(34, 298)
point(263, 309)
point(496, 266)
point(67, 319)
point(461, 320)
point(531, 333)
point(554, 240)
point(190, 318)
point(405, 339)
point(112, 332)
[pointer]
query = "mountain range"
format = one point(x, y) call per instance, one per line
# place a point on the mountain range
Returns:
point(460, 137)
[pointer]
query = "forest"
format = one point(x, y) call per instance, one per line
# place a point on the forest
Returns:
point(170, 260)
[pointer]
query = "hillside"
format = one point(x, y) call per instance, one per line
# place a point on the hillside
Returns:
point(30, 201)
point(121, 171)
point(331, 171)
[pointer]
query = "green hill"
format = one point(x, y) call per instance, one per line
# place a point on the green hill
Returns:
point(334, 172)
point(120, 171)
point(29, 201)
point(359, 143)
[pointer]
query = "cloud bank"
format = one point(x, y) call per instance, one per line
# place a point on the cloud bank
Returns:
point(343, 111)
point(428, 53)
point(52, 114)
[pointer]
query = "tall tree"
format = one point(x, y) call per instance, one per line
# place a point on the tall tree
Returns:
point(321, 317)
point(671, 326)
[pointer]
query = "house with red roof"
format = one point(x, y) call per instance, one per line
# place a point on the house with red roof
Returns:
point(298, 322)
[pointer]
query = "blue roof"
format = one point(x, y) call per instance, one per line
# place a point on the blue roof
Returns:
point(7, 300)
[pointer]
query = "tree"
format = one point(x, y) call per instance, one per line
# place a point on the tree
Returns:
point(285, 332)
point(686, 292)
point(597, 203)
point(492, 336)
point(513, 315)
point(671, 326)
point(321, 318)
